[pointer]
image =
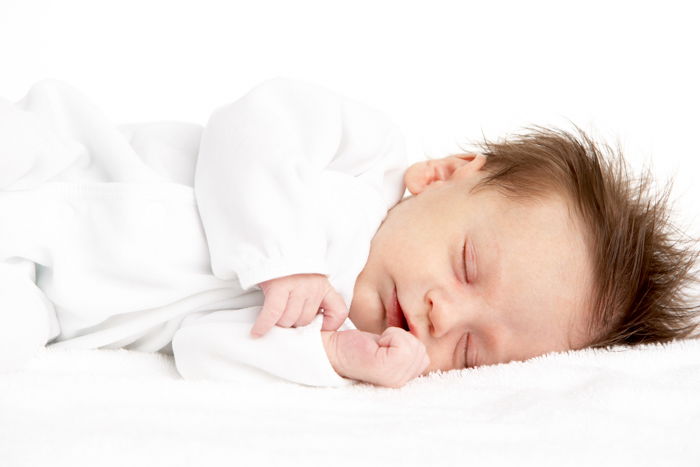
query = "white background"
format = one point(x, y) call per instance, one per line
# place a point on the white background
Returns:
point(446, 71)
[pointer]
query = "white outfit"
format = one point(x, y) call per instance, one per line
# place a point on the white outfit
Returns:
point(152, 237)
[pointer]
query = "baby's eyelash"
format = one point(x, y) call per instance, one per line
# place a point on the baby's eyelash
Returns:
point(466, 350)
point(464, 262)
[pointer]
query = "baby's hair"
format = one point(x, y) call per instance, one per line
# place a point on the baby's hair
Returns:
point(643, 265)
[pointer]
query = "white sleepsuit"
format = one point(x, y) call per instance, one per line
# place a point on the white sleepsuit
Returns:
point(153, 236)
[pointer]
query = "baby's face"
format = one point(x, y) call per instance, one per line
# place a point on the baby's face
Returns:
point(513, 278)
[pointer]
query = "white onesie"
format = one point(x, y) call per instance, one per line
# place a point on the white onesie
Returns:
point(153, 237)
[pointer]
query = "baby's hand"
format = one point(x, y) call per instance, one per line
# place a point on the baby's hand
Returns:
point(392, 359)
point(295, 300)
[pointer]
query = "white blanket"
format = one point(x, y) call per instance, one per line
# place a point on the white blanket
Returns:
point(638, 406)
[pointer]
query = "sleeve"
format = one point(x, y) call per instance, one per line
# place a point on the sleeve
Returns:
point(27, 318)
point(217, 346)
point(260, 172)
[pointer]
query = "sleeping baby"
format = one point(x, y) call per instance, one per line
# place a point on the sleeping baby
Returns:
point(276, 242)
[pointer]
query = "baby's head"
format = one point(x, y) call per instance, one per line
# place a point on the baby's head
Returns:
point(538, 243)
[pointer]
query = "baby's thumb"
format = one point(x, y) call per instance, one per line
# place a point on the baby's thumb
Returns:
point(334, 311)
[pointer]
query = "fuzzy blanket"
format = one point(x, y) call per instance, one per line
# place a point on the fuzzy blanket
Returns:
point(636, 406)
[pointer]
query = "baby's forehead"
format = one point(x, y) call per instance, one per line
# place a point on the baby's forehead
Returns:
point(539, 252)
point(546, 208)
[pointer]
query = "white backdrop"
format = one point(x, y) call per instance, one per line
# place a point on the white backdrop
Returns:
point(446, 71)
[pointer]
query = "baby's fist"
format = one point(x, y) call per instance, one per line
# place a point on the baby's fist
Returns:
point(392, 359)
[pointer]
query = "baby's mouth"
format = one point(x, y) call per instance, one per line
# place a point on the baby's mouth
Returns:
point(394, 314)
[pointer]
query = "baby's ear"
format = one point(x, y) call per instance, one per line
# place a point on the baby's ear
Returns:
point(421, 175)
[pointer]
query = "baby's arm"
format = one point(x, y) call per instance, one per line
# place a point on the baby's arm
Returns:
point(271, 164)
point(216, 345)
point(392, 359)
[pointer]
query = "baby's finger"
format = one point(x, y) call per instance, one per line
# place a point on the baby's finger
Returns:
point(389, 336)
point(273, 307)
point(334, 311)
point(295, 305)
point(308, 314)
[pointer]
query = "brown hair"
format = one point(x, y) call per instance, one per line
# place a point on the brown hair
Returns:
point(643, 265)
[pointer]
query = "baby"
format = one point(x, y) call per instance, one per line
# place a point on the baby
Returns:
point(537, 244)
point(237, 246)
